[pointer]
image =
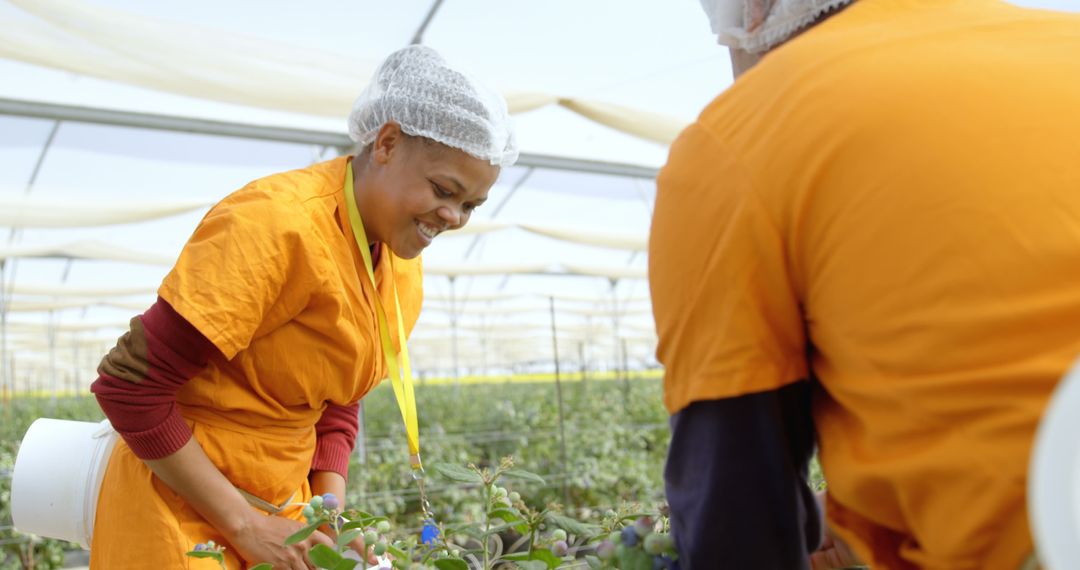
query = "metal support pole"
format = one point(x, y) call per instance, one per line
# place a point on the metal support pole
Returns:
point(361, 441)
point(361, 452)
point(54, 386)
point(581, 359)
point(558, 395)
point(7, 379)
point(615, 347)
point(454, 334)
point(418, 37)
point(625, 362)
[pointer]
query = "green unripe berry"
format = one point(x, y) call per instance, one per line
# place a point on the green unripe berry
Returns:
point(644, 526)
point(605, 550)
point(514, 497)
point(316, 501)
point(558, 534)
point(500, 492)
point(382, 526)
point(309, 513)
point(380, 548)
point(657, 543)
point(455, 553)
point(370, 537)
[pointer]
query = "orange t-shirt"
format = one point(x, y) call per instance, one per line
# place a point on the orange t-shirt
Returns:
point(273, 277)
point(891, 203)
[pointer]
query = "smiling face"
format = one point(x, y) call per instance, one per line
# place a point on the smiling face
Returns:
point(411, 189)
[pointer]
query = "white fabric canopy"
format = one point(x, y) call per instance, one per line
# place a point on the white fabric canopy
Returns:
point(88, 249)
point(41, 306)
point(66, 212)
point(66, 327)
point(168, 56)
point(20, 288)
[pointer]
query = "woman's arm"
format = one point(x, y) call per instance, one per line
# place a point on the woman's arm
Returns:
point(137, 389)
point(335, 437)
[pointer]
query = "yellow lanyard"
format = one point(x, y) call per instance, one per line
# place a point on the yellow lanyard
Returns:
point(401, 378)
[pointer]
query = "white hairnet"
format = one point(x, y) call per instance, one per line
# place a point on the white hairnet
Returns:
point(756, 26)
point(417, 89)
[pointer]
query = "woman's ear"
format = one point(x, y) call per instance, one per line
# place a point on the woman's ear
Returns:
point(389, 140)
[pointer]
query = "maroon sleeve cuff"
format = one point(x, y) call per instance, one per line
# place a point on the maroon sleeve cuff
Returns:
point(161, 440)
point(332, 454)
point(335, 436)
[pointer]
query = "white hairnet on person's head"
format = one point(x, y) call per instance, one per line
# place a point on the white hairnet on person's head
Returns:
point(756, 26)
point(417, 89)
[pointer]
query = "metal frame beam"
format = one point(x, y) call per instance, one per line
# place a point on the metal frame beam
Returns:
point(98, 116)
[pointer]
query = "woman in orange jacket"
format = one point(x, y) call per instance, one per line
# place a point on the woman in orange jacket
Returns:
point(236, 393)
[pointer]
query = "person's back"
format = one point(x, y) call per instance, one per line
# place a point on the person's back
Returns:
point(904, 179)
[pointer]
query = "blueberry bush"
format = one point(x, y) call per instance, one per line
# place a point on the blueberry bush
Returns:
point(507, 534)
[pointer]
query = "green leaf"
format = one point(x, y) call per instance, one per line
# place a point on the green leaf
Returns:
point(346, 564)
point(526, 475)
point(572, 526)
point(362, 522)
point(324, 557)
point(544, 555)
point(500, 527)
point(635, 516)
point(455, 472)
point(507, 515)
point(451, 564)
point(303, 533)
point(263, 566)
point(593, 561)
point(634, 559)
point(472, 530)
point(353, 514)
point(207, 554)
point(347, 537)
point(397, 552)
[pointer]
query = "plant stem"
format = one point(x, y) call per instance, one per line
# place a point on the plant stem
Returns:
point(487, 523)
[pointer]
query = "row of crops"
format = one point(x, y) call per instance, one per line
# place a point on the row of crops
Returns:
point(603, 447)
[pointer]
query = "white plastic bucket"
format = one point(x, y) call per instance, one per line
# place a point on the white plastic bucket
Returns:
point(1054, 477)
point(57, 479)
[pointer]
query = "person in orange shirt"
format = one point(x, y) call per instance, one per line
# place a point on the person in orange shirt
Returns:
point(870, 243)
point(236, 393)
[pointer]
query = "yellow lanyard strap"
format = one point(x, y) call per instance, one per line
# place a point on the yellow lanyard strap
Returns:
point(401, 378)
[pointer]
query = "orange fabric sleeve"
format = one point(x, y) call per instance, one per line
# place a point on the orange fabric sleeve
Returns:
point(245, 270)
point(727, 314)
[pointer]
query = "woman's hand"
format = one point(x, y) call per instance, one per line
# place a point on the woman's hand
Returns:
point(254, 536)
point(323, 482)
point(834, 552)
point(262, 539)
